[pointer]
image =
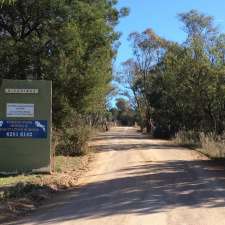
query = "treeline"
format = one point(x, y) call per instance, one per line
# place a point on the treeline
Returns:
point(179, 86)
point(123, 114)
point(72, 43)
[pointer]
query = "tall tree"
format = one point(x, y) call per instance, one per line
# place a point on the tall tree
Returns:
point(68, 42)
point(182, 86)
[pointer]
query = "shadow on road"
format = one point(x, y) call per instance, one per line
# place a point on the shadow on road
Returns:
point(133, 137)
point(169, 185)
point(144, 189)
point(126, 147)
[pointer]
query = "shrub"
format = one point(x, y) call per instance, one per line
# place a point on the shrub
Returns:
point(161, 132)
point(74, 141)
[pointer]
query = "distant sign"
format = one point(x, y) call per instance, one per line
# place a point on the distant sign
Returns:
point(19, 110)
point(21, 91)
point(23, 129)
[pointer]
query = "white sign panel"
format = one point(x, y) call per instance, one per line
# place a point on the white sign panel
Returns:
point(20, 110)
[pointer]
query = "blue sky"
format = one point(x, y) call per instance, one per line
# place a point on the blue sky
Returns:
point(161, 16)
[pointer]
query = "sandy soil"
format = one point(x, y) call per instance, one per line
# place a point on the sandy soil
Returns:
point(138, 181)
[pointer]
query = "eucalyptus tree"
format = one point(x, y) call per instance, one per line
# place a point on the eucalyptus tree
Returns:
point(182, 86)
point(71, 43)
point(148, 49)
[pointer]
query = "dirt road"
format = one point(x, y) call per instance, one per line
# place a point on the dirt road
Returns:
point(138, 181)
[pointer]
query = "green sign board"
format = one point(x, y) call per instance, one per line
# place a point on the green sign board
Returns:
point(25, 126)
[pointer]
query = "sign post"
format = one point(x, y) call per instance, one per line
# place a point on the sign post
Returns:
point(25, 126)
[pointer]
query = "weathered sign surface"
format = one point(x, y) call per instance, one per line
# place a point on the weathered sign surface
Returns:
point(25, 126)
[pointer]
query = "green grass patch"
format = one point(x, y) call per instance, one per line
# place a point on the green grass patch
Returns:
point(11, 180)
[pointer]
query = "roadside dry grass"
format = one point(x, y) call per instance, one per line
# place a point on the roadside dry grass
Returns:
point(211, 145)
point(23, 193)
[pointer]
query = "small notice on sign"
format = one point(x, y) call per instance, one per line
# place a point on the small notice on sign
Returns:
point(19, 110)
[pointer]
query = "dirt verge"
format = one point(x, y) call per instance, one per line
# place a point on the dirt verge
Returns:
point(24, 193)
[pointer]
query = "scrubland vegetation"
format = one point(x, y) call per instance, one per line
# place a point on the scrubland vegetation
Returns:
point(210, 144)
point(174, 90)
point(178, 89)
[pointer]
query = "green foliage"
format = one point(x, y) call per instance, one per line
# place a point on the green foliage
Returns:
point(6, 2)
point(74, 141)
point(123, 113)
point(73, 137)
point(68, 42)
point(180, 87)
